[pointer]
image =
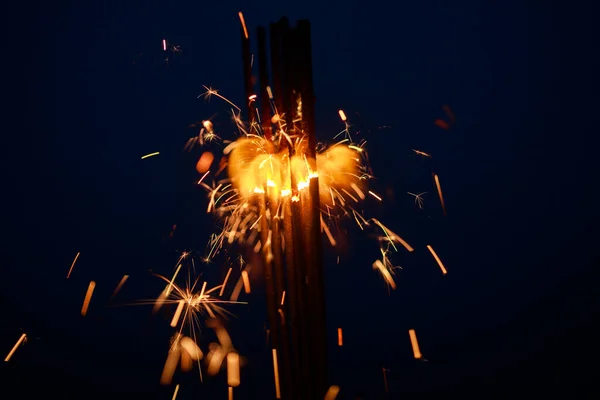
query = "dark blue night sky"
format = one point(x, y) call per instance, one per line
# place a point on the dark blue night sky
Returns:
point(89, 93)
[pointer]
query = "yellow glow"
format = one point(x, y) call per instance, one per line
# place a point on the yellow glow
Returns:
point(255, 167)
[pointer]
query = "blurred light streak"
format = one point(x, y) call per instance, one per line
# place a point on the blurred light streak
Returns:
point(88, 297)
point(73, 264)
point(276, 374)
point(233, 369)
point(434, 254)
point(175, 392)
point(439, 190)
point(15, 347)
point(119, 286)
point(150, 155)
point(332, 392)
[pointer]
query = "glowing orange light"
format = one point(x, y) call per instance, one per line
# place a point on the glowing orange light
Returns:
point(205, 161)
point(415, 344)
point(88, 297)
point(241, 15)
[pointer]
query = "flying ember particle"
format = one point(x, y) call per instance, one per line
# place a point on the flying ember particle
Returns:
point(205, 161)
point(88, 297)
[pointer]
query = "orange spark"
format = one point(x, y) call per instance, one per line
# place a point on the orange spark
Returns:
point(120, 285)
point(374, 195)
point(385, 273)
point(88, 297)
point(243, 24)
point(170, 366)
point(442, 124)
point(203, 176)
point(434, 254)
point(422, 153)
point(191, 348)
point(325, 229)
point(392, 237)
point(340, 337)
point(175, 393)
point(224, 282)
point(215, 359)
point(332, 392)
point(207, 125)
point(204, 162)
point(246, 281)
point(151, 154)
point(342, 115)
point(73, 264)
point(276, 373)
point(235, 294)
point(15, 347)
point(186, 361)
point(439, 190)
point(233, 369)
point(168, 290)
point(415, 344)
point(180, 305)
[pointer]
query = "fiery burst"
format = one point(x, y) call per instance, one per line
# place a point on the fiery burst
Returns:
point(192, 302)
point(277, 170)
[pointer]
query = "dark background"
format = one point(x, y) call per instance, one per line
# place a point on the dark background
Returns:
point(89, 92)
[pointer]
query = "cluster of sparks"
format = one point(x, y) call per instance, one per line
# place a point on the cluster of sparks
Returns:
point(199, 306)
point(254, 167)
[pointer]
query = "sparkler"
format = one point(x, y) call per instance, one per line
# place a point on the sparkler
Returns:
point(276, 176)
point(261, 168)
point(276, 173)
point(73, 264)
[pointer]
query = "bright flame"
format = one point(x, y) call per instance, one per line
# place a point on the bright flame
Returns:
point(256, 166)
